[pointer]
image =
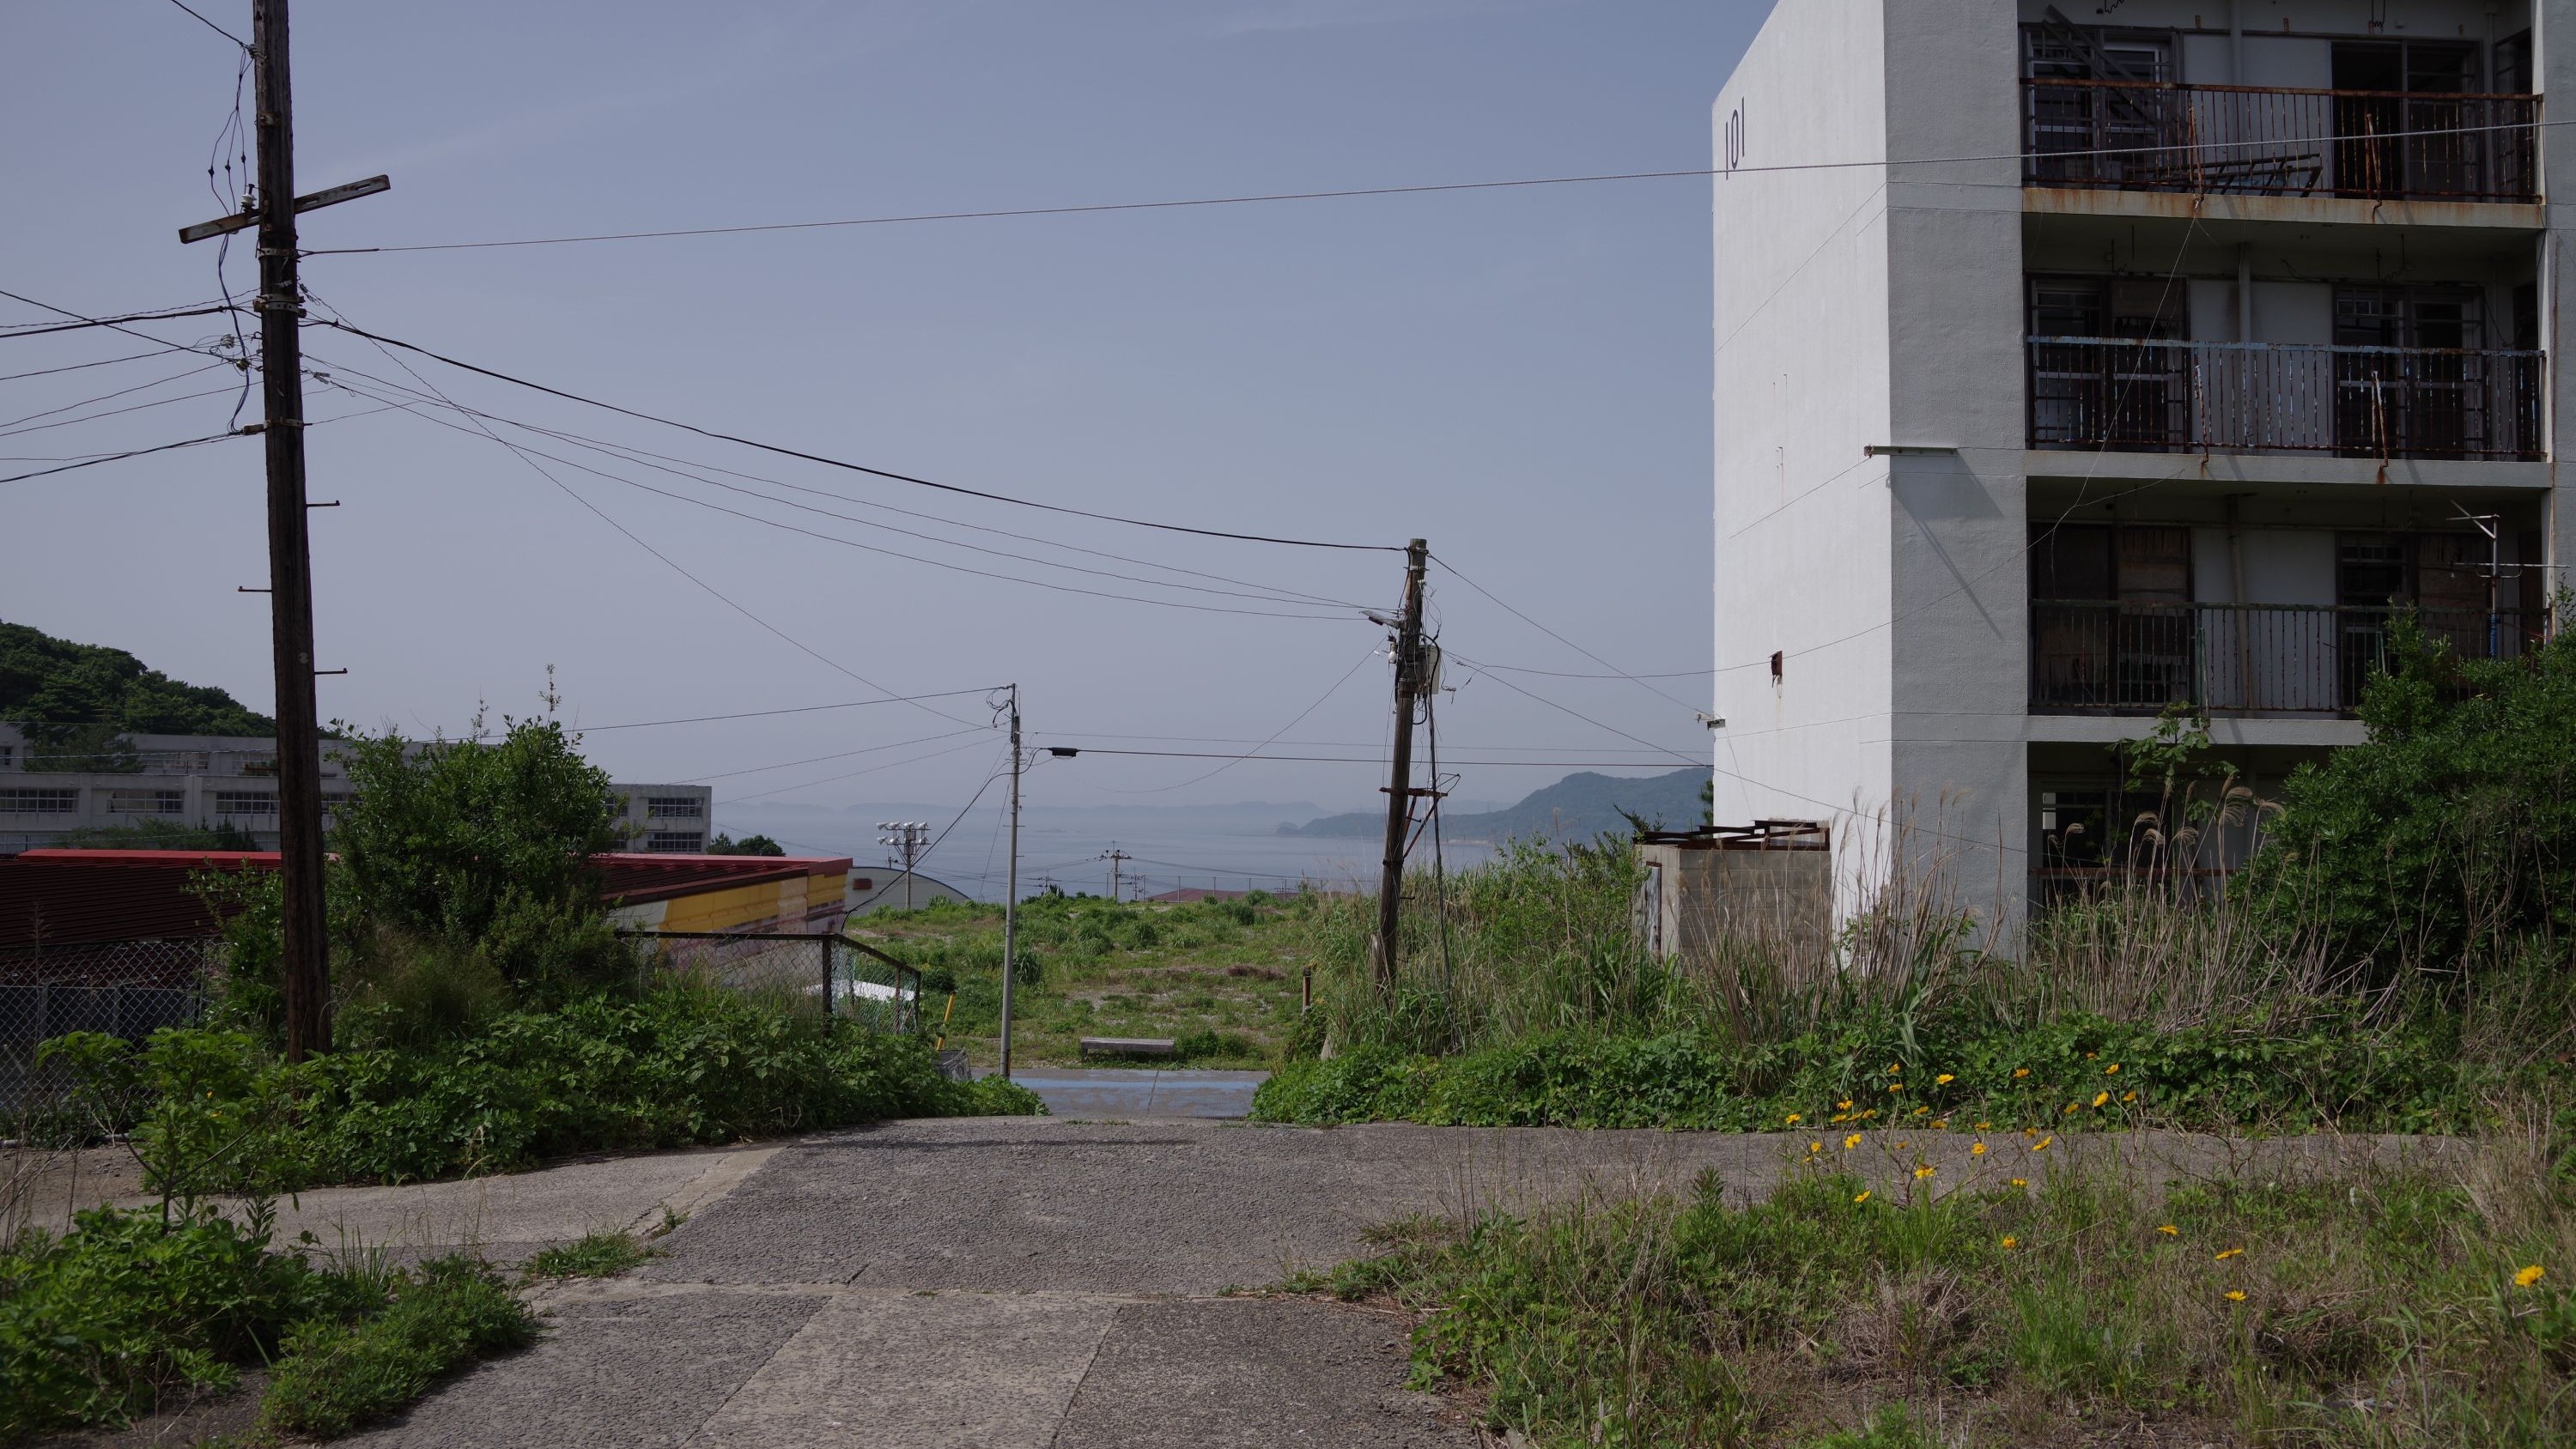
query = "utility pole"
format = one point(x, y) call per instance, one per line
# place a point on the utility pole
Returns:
point(1399, 791)
point(909, 836)
point(1114, 856)
point(306, 965)
point(1011, 890)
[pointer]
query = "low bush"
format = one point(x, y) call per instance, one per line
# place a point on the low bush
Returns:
point(339, 1374)
point(680, 1064)
point(598, 1255)
point(2353, 1308)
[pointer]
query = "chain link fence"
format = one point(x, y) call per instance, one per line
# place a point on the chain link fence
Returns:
point(123, 988)
point(840, 977)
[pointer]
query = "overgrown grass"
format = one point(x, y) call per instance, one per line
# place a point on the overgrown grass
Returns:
point(2363, 1309)
point(596, 1255)
point(1220, 977)
point(682, 1063)
point(127, 1314)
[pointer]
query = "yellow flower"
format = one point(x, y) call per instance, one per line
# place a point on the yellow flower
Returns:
point(2021, 1182)
point(2042, 1144)
point(1923, 1172)
point(1814, 1147)
point(2100, 1097)
point(1977, 1151)
point(2128, 1096)
point(1851, 1142)
point(1943, 1080)
point(2088, 1056)
point(1872, 1112)
point(1940, 1124)
point(1794, 1119)
point(2012, 1242)
point(1896, 1086)
point(2170, 1231)
point(1864, 1196)
point(2020, 1072)
point(2529, 1276)
point(1922, 1111)
point(2230, 1253)
point(1985, 1126)
point(1839, 1117)
point(1895, 1067)
point(2235, 1295)
point(2074, 1107)
point(2112, 1070)
point(1900, 1144)
point(1846, 1106)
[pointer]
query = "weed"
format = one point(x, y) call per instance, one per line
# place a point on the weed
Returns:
point(338, 1375)
point(597, 1255)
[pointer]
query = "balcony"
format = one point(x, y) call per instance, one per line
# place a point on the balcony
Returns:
point(2105, 657)
point(2253, 397)
point(2377, 145)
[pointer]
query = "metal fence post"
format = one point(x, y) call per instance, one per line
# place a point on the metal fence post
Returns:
point(826, 943)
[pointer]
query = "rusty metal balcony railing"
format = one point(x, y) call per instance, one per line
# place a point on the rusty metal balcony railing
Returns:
point(2384, 145)
point(2103, 657)
point(2254, 397)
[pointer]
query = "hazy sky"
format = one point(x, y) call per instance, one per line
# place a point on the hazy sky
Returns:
point(1520, 376)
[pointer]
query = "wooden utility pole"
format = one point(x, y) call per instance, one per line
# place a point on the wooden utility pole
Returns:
point(1387, 948)
point(1116, 858)
point(305, 966)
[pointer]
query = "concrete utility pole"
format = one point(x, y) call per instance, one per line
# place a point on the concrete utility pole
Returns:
point(1011, 890)
point(306, 964)
point(908, 836)
point(1387, 948)
point(1115, 857)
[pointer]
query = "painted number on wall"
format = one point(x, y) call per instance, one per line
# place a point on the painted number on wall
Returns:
point(1735, 136)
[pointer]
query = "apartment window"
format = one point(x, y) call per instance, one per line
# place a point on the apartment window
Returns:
point(2137, 563)
point(2072, 52)
point(681, 842)
point(39, 802)
point(675, 807)
point(2513, 65)
point(147, 802)
point(2446, 317)
point(245, 802)
point(8, 757)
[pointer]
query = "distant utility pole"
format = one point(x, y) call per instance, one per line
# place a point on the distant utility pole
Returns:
point(1115, 857)
point(908, 836)
point(1011, 890)
point(305, 968)
point(1387, 948)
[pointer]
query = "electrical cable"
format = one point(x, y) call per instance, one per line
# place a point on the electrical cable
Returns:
point(819, 759)
point(77, 366)
point(120, 457)
point(1346, 193)
point(869, 523)
point(870, 770)
point(658, 461)
point(108, 397)
point(47, 329)
point(210, 25)
point(527, 452)
point(1329, 692)
point(1559, 638)
point(113, 412)
point(1587, 719)
point(667, 561)
point(1379, 762)
point(851, 467)
point(766, 713)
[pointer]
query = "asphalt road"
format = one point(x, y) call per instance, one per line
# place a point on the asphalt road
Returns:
point(1007, 1282)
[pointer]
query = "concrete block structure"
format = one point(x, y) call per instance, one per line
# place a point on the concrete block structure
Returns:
point(2076, 362)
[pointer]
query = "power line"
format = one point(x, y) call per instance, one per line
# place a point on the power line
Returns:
point(528, 453)
point(842, 755)
point(869, 523)
point(1329, 692)
point(77, 366)
point(766, 713)
point(1432, 188)
point(851, 467)
point(210, 25)
point(1379, 762)
point(88, 322)
point(870, 770)
point(113, 412)
point(644, 457)
point(110, 397)
point(120, 457)
point(1559, 638)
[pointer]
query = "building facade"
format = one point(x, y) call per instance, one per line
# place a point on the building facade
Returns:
point(2079, 363)
point(199, 782)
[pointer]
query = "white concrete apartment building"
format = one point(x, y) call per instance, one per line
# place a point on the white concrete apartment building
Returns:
point(2115, 354)
point(201, 781)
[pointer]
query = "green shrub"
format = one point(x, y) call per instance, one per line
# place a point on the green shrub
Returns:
point(102, 1323)
point(2452, 828)
point(338, 1375)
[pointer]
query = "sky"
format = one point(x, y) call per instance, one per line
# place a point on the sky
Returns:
point(1520, 376)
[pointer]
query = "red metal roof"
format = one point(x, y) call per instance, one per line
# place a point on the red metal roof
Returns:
point(116, 895)
point(61, 896)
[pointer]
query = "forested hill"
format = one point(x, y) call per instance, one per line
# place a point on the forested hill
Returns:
point(1577, 807)
point(45, 680)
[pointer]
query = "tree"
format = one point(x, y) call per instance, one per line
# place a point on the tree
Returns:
point(725, 844)
point(50, 681)
point(2451, 828)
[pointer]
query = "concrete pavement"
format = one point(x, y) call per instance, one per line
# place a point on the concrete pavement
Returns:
point(1012, 1283)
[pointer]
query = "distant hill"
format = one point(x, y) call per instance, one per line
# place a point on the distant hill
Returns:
point(1577, 807)
point(45, 680)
